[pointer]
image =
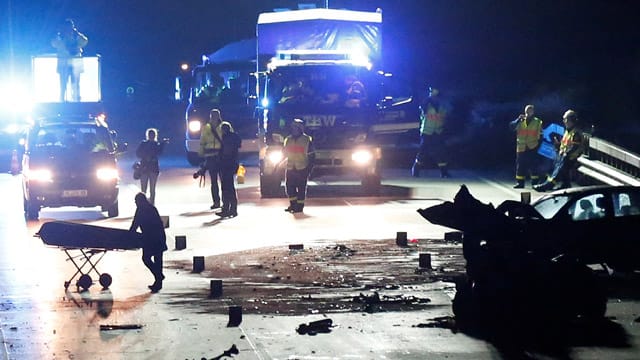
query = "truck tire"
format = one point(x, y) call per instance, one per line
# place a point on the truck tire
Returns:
point(269, 186)
point(113, 210)
point(193, 158)
point(371, 184)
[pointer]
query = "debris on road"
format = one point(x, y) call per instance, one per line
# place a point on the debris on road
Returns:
point(315, 327)
point(120, 327)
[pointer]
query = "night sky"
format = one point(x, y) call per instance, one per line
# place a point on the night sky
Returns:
point(557, 54)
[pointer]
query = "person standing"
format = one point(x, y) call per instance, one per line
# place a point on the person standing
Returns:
point(433, 118)
point(298, 149)
point(154, 239)
point(148, 152)
point(210, 147)
point(69, 43)
point(570, 148)
point(228, 167)
point(528, 130)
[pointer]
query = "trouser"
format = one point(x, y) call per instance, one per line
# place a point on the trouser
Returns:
point(152, 259)
point(150, 179)
point(229, 196)
point(69, 74)
point(433, 150)
point(527, 164)
point(562, 169)
point(213, 167)
point(296, 186)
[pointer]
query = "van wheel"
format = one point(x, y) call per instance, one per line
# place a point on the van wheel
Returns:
point(113, 211)
point(31, 210)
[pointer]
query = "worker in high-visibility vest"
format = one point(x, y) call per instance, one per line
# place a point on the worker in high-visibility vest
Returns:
point(433, 118)
point(298, 149)
point(571, 146)
point(528, 130)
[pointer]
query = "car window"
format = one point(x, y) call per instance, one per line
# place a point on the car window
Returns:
point(549, 207)
point(626, 203)
point(588, 208)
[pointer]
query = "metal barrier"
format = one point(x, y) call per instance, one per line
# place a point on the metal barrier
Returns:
point(610, 164)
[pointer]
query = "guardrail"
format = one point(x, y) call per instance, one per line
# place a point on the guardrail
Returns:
point(610, 164)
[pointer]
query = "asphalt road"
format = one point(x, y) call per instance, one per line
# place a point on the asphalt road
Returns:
point(40, 320)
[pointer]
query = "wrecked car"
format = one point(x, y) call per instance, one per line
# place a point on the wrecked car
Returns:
point(594, 224)
point(521, 267)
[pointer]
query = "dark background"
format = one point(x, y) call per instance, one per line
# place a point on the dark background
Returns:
point(488, 57)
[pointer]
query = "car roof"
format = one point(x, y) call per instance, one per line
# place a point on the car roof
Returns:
point(70, 120)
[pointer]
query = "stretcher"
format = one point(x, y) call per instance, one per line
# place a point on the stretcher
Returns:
point(85, 246)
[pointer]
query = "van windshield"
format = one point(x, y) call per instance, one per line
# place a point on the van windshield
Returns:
point(89, 138)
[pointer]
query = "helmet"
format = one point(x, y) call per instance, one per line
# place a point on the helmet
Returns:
point(570, 115)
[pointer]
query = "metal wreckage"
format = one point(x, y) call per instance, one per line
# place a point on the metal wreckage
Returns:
point(516, 271)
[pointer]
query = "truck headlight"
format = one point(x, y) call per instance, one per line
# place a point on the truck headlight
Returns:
point(362, 157)
point(107, 174)
point(194, 126)
point(275, 157)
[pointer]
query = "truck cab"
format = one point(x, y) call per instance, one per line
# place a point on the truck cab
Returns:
point(337, 98)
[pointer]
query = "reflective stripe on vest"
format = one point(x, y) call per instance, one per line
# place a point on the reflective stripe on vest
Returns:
point(528, 134)
point(568, 142)
point(296, 150)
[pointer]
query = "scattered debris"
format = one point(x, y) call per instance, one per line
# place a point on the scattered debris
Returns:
point(442, 322)
point(120, 327)
point(315, 327)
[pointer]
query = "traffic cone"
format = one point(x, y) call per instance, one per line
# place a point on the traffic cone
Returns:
point(15, 166)
point(240, 174)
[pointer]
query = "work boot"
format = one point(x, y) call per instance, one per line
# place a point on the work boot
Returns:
point(519, 185)
point(292, 206)
point(297, 208)
point(545, 186)
point(216, 205)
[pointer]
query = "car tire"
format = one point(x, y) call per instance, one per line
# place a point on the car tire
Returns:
point(113, 211)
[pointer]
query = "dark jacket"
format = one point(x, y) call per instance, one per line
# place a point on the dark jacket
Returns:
point(231, 143)
point(148, 220)
point(148, 152)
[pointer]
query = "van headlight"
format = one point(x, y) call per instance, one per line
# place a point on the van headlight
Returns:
point(106, 174)
point(43, 175)
point(362, 157)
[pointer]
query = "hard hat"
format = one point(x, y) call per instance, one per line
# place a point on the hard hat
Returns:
point(298, 123)
point(570, 115)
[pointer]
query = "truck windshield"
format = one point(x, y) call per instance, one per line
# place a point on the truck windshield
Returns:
point(217, 88)
point(323, 86)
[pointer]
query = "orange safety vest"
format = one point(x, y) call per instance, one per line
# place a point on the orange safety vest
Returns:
point(570, 139)
point(433, 121)
point(528, 134)
point(296, 150)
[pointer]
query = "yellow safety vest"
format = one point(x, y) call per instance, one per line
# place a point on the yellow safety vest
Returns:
point(296, 150)
point(209, 144)
point(528, 134)
point(433, 120)
point(570, 140)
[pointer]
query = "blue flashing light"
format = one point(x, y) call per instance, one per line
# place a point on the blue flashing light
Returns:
point(265, 102)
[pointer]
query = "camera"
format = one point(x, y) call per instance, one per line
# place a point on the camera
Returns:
point(201, 172)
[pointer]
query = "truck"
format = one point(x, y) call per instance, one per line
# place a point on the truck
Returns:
point(224, 80)
point(324, 66)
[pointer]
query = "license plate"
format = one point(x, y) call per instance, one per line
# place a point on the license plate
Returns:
point(74, 193)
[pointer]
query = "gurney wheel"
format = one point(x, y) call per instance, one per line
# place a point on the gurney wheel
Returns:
point(105, 280)
point(84, 282)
